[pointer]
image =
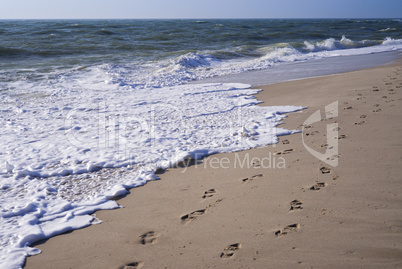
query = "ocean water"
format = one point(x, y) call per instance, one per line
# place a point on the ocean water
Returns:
point(91, 108)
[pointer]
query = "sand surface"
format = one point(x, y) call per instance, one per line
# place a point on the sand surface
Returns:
point(271, 207)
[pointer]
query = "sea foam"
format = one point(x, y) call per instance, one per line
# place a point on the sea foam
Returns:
point(68, 153)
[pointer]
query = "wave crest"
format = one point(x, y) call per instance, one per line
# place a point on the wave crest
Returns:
point(343, 43)
point(194, 60)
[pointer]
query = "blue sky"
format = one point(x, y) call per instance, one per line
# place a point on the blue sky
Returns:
point(136, 9)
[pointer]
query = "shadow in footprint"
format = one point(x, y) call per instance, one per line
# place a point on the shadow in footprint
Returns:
point(288, 229)
point(133, 265)
point(325, 170)
point(341, 136)
point(149, 238)
point(248, 179)
point(360, 122)
point(318, 186)
point(230, 250)
point(286, 151)
point(312, 133)
point(256, 163)
point(334, 157)
point(193, 215)
point(209, 193)
point(327, 146)
point(296, 205)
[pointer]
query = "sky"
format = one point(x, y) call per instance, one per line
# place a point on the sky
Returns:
point(151, 9)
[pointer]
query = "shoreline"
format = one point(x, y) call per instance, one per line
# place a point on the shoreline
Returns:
point(291, 71)
point(280, 216)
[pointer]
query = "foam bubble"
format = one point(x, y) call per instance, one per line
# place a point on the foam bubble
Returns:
point(66, 156)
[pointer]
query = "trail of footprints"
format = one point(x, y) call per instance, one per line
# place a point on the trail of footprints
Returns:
point(389, 88)
point(229, 251)
point(297, 205)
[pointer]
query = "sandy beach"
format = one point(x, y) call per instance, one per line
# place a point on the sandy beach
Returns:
point(271, 207)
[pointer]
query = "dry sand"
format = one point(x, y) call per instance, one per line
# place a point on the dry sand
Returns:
point(280, 210)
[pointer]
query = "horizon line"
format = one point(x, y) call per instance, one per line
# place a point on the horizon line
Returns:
point(229, 18)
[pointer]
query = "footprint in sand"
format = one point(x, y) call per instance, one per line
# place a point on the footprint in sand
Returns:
point(312, 133)
point(209, 193)
point(134, 265)
point(327, 146)
point(325, 170)
point(149, 238)
point(360, 122)
point(286, 142)
point(296, 205)
point(288, 229)
point(286, 151)
point(318, 186)
point(363, 116)
point(334, 157)
point(248, 179)
point(230, 250)
point(377, 110)
point(192, 216)
point(256, 163)
point(341, 136)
